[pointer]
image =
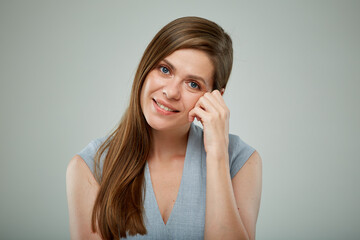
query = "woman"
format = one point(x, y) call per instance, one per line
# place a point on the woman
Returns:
point(159, 176)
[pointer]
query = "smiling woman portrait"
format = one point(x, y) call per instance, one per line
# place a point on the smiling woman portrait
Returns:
point(158, 175)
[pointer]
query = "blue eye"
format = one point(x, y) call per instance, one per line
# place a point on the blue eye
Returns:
point(194, 85)
point(164, 70)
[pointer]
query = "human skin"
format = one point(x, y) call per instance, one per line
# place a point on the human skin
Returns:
point(227, 215)
point(175, 82)
point(232, 205)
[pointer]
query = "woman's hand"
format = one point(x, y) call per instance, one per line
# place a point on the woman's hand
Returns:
point(214, 115)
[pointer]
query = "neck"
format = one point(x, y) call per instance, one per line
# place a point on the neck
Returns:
point(169, 144)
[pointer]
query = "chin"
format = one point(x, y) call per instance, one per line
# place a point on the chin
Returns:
point(160, 126)
point(166, 125)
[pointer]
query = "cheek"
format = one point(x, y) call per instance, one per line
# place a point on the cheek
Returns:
point(148, 83)
point(151, 83)
point(144, 93)
point(191, 102)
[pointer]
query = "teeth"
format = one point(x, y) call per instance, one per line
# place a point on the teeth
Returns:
point(165, 108)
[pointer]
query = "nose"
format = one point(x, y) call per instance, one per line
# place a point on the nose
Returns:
point(172, 90)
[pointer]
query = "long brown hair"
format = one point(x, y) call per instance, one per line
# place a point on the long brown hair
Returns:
point(119, 206)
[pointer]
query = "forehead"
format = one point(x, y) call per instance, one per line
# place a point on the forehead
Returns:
point(192, 62)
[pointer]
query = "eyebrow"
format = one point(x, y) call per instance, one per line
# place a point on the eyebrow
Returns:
point(189, 76)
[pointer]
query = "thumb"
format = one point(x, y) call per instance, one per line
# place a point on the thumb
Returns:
point(191, 115)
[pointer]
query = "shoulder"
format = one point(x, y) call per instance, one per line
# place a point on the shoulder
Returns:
point(81, 190)
point(92, 147)
point(247, 185)
point(239, 150)
point(87, 154)
point(77, 170)
point(239, 146)
point(239, 153)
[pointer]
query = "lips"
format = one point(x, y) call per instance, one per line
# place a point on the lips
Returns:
point(165, 106)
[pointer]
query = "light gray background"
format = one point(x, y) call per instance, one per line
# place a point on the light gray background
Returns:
point(66, 70)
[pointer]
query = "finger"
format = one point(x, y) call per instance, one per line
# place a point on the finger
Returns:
point(217, 95)
point(223, 110)
point(206, 102)
point(219, 98)
point(197, 112)
point(216, 100)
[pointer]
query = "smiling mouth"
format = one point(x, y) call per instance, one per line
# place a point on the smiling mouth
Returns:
point(164, 108)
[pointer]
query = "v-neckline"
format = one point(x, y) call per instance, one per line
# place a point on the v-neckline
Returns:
point(151, 190)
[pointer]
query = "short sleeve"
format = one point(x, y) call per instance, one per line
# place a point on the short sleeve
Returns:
point(239, 153)
point(88, 153)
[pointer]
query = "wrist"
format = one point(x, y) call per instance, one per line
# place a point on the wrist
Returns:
point(216, 160)
point(218, 152)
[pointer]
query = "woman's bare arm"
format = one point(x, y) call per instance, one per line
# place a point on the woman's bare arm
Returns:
point(81, 189)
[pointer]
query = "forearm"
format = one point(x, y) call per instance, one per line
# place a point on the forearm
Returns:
point(222, 218)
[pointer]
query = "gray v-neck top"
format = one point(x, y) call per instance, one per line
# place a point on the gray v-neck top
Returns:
point(187, 218)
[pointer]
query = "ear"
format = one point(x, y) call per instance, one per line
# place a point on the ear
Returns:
point(222, 91)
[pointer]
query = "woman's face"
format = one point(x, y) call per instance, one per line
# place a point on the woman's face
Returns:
point(174, 86)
